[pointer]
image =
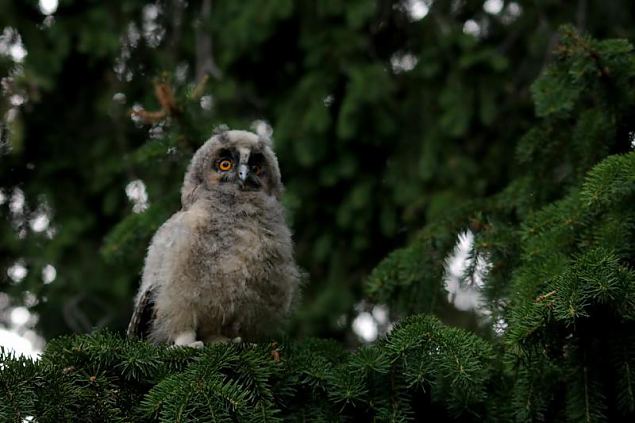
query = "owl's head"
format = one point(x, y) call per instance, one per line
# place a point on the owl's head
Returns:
point(232, 161)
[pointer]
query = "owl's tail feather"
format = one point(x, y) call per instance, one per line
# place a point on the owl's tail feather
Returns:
point(142, 317)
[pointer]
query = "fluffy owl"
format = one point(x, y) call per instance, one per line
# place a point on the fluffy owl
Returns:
point(222, 267)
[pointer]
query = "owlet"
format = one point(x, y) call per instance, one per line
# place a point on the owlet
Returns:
point(222, 267)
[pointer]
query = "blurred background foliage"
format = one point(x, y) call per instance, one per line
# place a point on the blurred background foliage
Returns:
point(387, 116)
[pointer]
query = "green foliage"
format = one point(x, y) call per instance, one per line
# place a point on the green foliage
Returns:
point(394, 135)
point(582, 64)
point(410, 279)
point(366, 101)
point(102, 377)
point(559, 242)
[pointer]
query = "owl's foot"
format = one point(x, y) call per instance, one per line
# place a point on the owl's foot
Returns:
point(187, 339)
point(195, 344)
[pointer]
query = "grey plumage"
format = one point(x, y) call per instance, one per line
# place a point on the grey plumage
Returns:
point(223, 266)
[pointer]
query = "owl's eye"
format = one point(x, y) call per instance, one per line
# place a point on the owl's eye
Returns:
point(257, 169)
point(225, 165)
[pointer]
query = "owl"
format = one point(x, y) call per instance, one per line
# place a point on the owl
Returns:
point(223, 266)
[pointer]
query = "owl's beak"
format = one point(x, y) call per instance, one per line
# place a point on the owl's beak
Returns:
point(243, 172)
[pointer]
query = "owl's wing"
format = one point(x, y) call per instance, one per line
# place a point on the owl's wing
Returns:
point(141, 320)
point(164, 262)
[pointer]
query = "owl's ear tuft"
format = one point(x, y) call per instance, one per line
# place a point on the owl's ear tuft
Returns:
point(223, 137)
point(221, 133)
point(220, 129)
point(266, 141)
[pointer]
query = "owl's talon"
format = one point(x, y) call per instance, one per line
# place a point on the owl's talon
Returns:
point(196, 344)
point(185, 338)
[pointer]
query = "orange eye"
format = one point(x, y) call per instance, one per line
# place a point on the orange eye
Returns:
point(225, 165)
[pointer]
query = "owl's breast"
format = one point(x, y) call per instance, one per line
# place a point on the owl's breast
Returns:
point(249, 276)
point(244, 258)
point(251, 251)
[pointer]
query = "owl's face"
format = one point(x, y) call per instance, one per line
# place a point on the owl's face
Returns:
point(233, 161)
point(245, 168)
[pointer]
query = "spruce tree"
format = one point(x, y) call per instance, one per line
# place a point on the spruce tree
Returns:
point(553, 228)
